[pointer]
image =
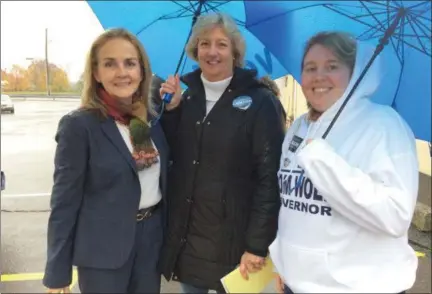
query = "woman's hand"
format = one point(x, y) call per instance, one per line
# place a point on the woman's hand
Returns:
point(171, 86)
point(59, 290)
point(250, 263)
point(280, 285)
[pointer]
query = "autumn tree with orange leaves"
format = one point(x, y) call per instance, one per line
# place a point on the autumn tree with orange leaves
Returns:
point(33, 78)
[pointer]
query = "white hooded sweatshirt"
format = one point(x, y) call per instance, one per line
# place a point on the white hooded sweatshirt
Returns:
point(344, 228)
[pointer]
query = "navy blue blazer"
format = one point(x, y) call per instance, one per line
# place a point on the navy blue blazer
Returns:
point(95, 196)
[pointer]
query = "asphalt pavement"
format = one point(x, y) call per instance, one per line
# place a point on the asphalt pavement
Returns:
point(27, 151)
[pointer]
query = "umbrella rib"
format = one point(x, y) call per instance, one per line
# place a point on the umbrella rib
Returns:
point(373, 34)
point(328, 6)
point(382, 4)
point(395, 47)
point(348, 9)
point(419, 15)
point(215, 9)
point(184, 7)
point(400, 32)
point(176, 14)
point(417, 12)
point(211, 7)
point(413, 28)
point(370, 33)
point(220, 3)
point(419, 4)
point(374, 17)
point(206, 8)
point(422, 26)
point(412, 46)
point(147, 26)
point(399, 82)
point(365, 15)
point(401, 59)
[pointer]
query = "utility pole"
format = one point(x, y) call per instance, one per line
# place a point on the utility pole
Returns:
point(47, 64)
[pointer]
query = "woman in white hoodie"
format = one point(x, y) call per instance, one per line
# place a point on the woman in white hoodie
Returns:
point(348, 200)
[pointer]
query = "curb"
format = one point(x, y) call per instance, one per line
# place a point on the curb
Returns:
point(55, 99)
point(422, 217)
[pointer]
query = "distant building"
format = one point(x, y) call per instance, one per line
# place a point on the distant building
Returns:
point(292, 97)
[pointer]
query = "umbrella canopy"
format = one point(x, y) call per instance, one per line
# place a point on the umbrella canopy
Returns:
point(163, 27)
point(404, 27)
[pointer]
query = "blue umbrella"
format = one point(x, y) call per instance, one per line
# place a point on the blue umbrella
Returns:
point(400, 29)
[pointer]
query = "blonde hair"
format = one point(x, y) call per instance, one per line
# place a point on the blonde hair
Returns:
point(208, 22)
point(90, 98)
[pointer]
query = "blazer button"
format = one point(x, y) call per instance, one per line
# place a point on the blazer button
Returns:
point(189, 200)
point(198, 122)
point(182, 240)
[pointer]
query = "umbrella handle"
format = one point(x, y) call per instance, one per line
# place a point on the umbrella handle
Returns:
point(383, 42)
point(167, 98)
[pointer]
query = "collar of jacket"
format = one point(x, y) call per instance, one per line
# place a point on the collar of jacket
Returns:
point(242, 78)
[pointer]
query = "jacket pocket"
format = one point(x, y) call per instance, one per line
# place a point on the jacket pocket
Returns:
point(303, 269)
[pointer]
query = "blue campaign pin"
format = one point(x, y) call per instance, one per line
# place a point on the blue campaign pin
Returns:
point(242, 102)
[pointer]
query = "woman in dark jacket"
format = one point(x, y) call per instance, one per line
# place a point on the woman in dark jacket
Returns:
point(225, 136)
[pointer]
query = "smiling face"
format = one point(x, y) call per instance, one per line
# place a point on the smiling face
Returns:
point(324, 78)
point(118, 68)
point(215, 55)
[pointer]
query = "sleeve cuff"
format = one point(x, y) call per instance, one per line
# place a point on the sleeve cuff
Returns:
point(257, 252)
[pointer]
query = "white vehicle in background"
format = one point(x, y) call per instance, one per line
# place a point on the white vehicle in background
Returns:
point(3, 181)
point(7, 104)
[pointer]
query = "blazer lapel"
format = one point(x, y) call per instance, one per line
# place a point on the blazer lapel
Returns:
point(158, 139)
point(111, 131)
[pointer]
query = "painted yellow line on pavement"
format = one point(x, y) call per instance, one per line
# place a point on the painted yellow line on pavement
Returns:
point(74, 279)
point(33, 277)
point(420, 254)
point(22, 277)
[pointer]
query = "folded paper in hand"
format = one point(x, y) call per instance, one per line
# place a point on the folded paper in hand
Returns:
point(234, 282)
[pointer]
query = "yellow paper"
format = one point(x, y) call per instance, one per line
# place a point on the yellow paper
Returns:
point(234, 282)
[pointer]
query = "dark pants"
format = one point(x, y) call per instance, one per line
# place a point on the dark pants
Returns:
point(139, 274)
point(288, 290)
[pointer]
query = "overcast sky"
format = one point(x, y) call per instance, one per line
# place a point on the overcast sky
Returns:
point(72, 27)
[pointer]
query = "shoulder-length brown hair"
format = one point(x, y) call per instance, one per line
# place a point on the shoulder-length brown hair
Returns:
point(90, 98)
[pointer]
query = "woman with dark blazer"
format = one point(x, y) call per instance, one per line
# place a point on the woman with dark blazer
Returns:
point(108, 199)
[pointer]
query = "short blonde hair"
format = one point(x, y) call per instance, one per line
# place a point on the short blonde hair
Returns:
point(90, 98)
point(206, 23)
